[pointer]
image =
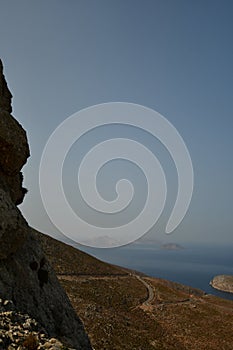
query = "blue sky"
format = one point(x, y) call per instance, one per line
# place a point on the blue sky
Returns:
point(173, 56)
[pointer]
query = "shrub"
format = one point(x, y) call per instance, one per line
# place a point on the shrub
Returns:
point(31, 342)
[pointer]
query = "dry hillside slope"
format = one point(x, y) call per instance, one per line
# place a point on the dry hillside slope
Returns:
point(124, 311)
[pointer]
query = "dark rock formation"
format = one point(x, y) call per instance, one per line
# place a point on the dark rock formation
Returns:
point(20, 331)
point(5, 94)
point(13, 145)
point(26, 277)
point(223, 283)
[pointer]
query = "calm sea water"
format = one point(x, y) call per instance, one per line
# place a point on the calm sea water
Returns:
point(193, 266)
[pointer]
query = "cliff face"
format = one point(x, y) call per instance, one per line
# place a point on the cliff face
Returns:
point(13, 145)
point(26, 277)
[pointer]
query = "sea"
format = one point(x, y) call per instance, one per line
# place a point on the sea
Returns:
point(193, 265)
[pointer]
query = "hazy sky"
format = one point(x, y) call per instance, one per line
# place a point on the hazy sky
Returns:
point(173, 56)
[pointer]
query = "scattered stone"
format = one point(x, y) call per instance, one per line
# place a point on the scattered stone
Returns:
point(19, 331)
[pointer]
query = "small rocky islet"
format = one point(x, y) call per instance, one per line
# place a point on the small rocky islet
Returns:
point(223, 283)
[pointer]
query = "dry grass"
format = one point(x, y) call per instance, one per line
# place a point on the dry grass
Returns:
point(109, 304)
point(31, 342)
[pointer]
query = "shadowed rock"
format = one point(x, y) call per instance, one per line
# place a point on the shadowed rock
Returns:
point(5, 94)
point(13, 145)
point(26, 277)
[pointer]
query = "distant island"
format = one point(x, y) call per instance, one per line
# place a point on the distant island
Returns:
point(223, 283)
point(171, 246)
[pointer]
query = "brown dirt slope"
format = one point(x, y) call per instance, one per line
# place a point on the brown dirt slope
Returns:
point(122, 313)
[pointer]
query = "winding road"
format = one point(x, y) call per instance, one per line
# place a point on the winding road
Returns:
point(149, 290)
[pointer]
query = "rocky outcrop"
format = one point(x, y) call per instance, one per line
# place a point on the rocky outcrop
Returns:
point(5, 100)
point(13, 145)
point(14, 151)
point(20, 332)
point(26, 277)
point(223, 283)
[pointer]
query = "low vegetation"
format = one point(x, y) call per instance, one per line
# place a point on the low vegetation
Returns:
point(112, 303)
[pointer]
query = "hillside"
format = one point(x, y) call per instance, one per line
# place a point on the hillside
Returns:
point(122, 310)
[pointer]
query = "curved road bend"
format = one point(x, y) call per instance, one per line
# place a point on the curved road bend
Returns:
point(149, 289)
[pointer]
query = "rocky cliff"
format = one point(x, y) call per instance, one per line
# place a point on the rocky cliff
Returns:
point(26, 277)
